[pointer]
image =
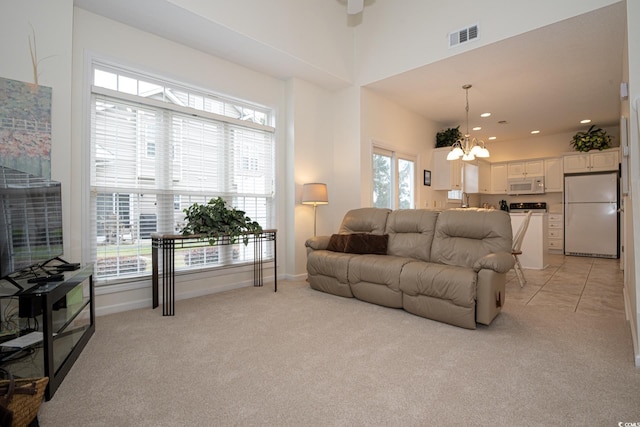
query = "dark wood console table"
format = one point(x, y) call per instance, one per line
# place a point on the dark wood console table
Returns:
point(166, 244)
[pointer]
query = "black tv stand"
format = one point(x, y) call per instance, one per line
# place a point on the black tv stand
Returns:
point(53, 273)
point(47, 278)
point(65, 314)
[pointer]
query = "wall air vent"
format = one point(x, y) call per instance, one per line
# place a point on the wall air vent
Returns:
point(464, 35)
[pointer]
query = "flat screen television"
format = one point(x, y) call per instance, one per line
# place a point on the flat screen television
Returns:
point(30, 221)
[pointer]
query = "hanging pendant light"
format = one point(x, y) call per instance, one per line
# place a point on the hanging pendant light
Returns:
point(466, 147)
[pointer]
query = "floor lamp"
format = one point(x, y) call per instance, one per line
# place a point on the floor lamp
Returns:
point(315, 194)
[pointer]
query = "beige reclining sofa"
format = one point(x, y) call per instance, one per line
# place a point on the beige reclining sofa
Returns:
point(446, 265)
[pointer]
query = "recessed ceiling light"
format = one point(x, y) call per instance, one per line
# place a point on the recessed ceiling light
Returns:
point(477, 128)
point(585, 121)
point(535, 131)
point(485, 114)
point(491, 138)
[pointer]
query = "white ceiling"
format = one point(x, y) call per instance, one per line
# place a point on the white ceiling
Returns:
point(548, 79)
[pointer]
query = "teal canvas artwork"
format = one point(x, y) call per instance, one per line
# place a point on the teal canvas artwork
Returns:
point(25, 127)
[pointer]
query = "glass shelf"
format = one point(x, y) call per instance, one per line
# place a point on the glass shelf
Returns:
point(63, 312)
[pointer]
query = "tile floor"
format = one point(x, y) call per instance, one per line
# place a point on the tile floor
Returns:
point(578, 284)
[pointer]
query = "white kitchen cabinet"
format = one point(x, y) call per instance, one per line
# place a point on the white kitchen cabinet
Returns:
point(484, 177)
point(445, 174)
point(455, 174)
point(553, 175)
point(470, 178)
point(534, 244)
point(525, 169)
point(498, 178)
point(596, 161)
point(556, 233)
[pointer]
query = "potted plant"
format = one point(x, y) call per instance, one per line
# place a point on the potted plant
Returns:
point(447, 137)
point(215, 220)
point(592, 139)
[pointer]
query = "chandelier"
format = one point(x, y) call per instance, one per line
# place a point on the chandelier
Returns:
point(468, 148)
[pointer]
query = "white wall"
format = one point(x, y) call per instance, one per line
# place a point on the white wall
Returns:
point(347, 176)
point(395, 37)
point(632, 207)
point(315, 32)
point(50, 30)
point(397, 128)
point(324, 145)
point(311, 142)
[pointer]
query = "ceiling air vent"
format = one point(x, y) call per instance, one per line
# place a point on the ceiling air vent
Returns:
point(464, 35)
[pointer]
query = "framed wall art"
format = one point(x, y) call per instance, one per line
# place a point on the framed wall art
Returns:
point(25, 127)
point(427, 178)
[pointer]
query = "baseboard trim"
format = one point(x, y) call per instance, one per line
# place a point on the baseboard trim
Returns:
point(146, 302)
point(119, 308)
point(632, 326)
point(293, 277)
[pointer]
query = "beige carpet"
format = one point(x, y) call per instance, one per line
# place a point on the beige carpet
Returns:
point(300, 357)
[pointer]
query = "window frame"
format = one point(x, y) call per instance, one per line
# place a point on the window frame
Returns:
point(265, 114)
point(396, 156)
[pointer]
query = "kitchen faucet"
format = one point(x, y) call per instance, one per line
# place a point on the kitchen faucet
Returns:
point(465, 200)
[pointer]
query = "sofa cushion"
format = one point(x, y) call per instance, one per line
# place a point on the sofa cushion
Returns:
point(331, 264)
point(364, 220)
point(462, 236)
point(328, 272)
point(411, 232)
point(378, 269)
point(447, 282)
point(376, 279)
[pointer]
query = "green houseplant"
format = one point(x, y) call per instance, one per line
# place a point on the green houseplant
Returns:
point(592, 139)
point(214, 220)
point(447, 137)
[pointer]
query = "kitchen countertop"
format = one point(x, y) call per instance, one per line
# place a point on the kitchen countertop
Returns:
point(524, 213)
point(534, 244)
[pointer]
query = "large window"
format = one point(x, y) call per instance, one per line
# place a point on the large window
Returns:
point(393, 179)
point(158, 147)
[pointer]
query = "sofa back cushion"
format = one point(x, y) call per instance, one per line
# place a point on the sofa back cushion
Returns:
point(464, 235)
point(364, 220)
point(411, 233)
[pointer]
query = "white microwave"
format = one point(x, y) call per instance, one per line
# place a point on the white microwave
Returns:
point(533, 185)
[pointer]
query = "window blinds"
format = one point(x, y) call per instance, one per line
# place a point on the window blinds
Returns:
point(151, 158)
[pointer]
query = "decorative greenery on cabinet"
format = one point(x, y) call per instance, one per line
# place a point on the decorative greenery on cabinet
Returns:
point(447, 137)
point(592, 139)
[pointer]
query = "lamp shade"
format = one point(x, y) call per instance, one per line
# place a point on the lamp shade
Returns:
point(315, 193)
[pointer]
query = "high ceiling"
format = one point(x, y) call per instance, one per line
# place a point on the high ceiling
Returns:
point(547, 79)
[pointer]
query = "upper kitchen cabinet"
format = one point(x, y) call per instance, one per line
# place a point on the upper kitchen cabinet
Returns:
point(484, 177)
point(553, 175)
point(597, 161)
point(446, 174)
point(526, 169)
point(498, 178)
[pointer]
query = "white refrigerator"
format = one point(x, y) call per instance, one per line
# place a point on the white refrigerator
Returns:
point(591, 215)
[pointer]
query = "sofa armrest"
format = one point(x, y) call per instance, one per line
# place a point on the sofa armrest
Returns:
point(500, 262)
point(317, 243)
